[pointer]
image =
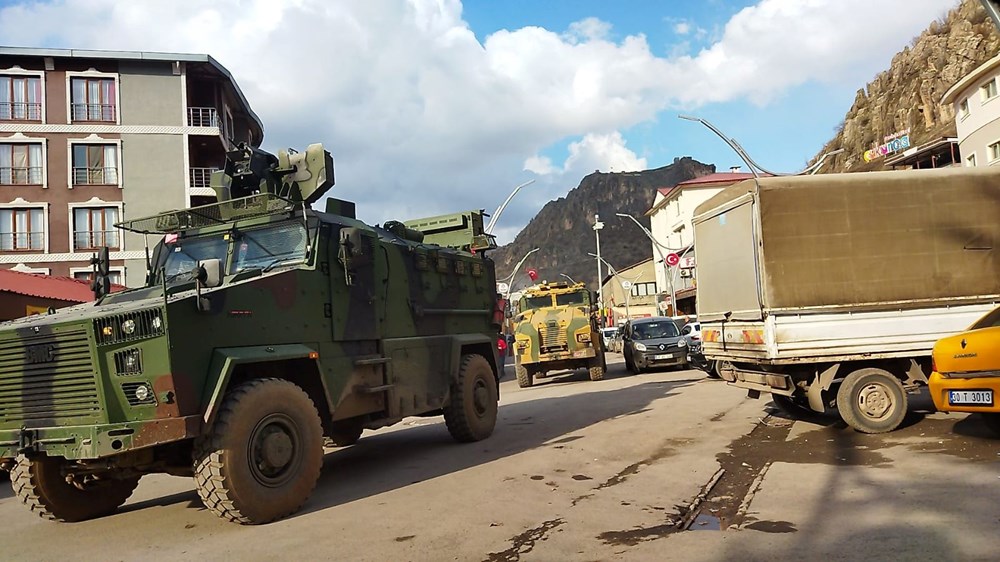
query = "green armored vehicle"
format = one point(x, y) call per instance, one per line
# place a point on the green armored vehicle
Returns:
point(264, 327)
point(555, 329)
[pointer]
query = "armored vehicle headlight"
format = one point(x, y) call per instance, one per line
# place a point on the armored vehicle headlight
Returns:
point(128, 326)
point(131, 361)
point(639, 347)
point(682, 343)
point(142, 393)
point(156, 323)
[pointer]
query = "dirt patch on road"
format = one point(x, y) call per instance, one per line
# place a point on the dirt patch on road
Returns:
point(524, 542)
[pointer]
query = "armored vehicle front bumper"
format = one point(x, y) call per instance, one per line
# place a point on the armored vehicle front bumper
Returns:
point(96, 441)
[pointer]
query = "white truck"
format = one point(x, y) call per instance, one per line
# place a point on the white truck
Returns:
point(829, 291)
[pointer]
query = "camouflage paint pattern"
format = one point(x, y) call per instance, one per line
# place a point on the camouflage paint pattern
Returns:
point(371, 325)
point(556, 336)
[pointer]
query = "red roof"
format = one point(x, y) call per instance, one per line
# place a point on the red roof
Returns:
point(47, 286)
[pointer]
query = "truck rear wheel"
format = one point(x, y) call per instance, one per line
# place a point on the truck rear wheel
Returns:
point(872, 401)
point(597, 368)
point(471, 413)
point(39, 484)
point(262, 457)
point(992, 421)
point(525, 377)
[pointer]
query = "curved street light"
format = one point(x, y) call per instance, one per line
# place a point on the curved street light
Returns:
point(510, 279)
point(667, 274)
point(496, 214)
point(568, 277)
point(614, 272)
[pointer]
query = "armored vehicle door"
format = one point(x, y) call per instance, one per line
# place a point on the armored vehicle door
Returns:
point(356, 291)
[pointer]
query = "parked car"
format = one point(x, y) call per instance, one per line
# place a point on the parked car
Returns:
point(606, 335)
point(966, 371)
point(653, 342)
point(692, 333)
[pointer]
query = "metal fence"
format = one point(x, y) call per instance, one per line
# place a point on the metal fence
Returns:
point(203, 117)
point(20, 110)
point(93, 112)
point(21, 175)
point(95, 176)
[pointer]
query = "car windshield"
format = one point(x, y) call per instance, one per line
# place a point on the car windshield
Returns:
point(991, 320)
point(531, 303)
point(654, 330)
point(571, 299)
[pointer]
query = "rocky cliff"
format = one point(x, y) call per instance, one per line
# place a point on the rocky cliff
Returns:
point(563, 229)
point(908, 94)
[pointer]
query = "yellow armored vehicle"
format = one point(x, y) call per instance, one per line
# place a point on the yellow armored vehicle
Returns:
point(556, 329)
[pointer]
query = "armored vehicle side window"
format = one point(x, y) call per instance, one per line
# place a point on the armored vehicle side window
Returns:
point(184, 254)
point(653, 330)
point(571, 299)
point(268, 247)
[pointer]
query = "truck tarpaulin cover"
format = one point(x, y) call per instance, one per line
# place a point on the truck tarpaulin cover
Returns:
point(870, 239)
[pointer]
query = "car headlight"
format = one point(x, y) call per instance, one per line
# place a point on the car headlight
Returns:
point(639, 347)
point(682, 343)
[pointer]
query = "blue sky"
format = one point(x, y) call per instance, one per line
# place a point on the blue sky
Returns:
point(433, 106)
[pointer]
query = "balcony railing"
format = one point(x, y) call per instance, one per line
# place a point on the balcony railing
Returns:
point(95, 176)
point(84, 240)
point(22, 111)
point(22, 240)
point(21, 176)
point(202, 177)
point(203, 117)
point(93, 112)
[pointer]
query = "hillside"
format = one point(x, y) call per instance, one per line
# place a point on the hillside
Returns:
point(908, 94)
point(563, 229)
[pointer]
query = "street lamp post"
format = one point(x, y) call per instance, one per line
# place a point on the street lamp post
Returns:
point(568, 277)
point(496, 214)
point(666, 268)
point(598, 225)
point(628, 292)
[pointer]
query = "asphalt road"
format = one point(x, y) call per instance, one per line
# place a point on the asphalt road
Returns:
point(582, 470)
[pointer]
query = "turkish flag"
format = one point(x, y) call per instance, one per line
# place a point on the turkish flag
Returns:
point(532, 274)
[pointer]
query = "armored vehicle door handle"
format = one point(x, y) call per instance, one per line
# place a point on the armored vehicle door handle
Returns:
point(362, 389)
point(372, 361)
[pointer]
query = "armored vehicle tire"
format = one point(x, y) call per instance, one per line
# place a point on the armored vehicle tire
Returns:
point(471, 413)
point(525, 377)
point(262, 457)
point(345, 432)
point(40, 485)
point(597, 368)
point(872, 401)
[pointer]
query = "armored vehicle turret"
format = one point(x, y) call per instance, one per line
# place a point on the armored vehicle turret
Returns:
point(263, 329)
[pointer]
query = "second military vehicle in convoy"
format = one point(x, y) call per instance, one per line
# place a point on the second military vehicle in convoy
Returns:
point(263, 328)
point(556, 329)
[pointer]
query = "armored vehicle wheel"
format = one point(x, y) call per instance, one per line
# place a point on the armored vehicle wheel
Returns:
point(471, 413)
point(345, 432)
point(261, 459)
point(872, 401)
point(525, 377)
point(39, 484)
point(597, 368)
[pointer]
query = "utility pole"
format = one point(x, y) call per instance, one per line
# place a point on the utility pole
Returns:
point(598, 225)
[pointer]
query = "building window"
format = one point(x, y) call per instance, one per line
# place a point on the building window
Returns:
point(970, 160)
point(93, 228)
point(20, 98)
point(643, 289)
point(989, 90)
point(22, 229)
point(114, 276)
point(963, 109)
point(20, 164)
point(93, 99)
point(95, 164)
point(994, 151)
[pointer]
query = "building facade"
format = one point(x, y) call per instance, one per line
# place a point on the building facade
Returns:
point(976, 101)
point(91, 138)
point(629, 292)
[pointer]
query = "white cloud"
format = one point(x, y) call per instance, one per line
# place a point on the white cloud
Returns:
point(682, 28)
point(423, 118)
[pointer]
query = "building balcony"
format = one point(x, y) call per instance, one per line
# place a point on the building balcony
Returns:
point(95, 176)
point(22, 241)
point(201, 177)
point(203, 117)
point(93, 240)
point(101, 112)
point(21, 176)
point(20, 111)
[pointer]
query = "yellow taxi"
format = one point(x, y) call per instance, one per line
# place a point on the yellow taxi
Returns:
point(966, 375)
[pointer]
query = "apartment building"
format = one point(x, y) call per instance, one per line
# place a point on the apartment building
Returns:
point(90, 138)
point(976, 101)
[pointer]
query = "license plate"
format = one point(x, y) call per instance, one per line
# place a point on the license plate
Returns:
point(664, 356)
point(970, 397)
